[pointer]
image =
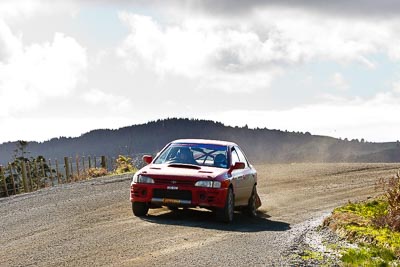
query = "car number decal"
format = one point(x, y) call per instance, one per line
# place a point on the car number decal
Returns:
point(172, 187)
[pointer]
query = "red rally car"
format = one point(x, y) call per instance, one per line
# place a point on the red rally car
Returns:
point(197, 173)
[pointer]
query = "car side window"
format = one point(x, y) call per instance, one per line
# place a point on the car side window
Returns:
point(235, 156)
point(241, 156)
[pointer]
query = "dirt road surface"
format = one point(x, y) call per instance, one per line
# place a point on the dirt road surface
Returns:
point(91, 223)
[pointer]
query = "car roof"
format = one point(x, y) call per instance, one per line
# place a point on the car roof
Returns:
point(205, 141)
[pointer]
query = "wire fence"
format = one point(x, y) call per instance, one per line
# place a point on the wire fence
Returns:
point(23, 176)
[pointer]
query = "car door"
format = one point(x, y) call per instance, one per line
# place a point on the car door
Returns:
point(241, 178)
point(248, 177)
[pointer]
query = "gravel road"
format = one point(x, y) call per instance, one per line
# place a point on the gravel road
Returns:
point(91, 223)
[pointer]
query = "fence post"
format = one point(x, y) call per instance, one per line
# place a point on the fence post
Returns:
point(83, 165)
point(51, 173)
point(103, 162)
point(4, 180)
point(66, 166)
point(23, 168)
point(43, 172)
point(95, 162)
point(90, 163)
point(30, 177)
point(12, 178)
point(72, 170)
point(77, 166)
point(57, 172)
point(37, 175)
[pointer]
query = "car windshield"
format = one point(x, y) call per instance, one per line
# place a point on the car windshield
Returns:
point(194, 154)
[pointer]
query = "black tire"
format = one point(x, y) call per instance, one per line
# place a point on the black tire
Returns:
point(251, 209)
point(140, 209)
point(226, 213)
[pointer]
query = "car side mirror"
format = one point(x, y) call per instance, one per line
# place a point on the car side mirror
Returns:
point(147, 158)
point(237, 166)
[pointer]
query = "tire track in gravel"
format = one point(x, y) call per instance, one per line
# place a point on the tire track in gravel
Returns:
point(91, 223)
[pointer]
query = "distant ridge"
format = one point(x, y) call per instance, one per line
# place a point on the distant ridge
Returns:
point(261, 145)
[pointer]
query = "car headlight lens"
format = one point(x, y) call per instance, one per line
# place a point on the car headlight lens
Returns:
point(141, 179)
point(210, 184)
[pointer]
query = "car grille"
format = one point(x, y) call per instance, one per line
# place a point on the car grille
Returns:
point(173, 182)
point(172, 194)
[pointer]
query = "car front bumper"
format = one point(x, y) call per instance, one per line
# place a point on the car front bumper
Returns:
point(180, 196)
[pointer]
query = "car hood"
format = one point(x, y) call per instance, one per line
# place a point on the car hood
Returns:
point(181, 170)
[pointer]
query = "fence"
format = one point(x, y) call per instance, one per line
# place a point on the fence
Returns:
point(27, 176)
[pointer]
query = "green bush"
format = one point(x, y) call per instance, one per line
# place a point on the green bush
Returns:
point(124, 164)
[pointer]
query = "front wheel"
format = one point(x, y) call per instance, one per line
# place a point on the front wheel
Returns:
point(140, 209)
point(226, 213)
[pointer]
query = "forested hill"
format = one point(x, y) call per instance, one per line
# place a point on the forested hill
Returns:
point(260, 145)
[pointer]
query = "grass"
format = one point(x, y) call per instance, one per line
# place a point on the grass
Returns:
point(312, 255)
point(378, 246)
point(366, 210)
point(368, 256)
point(373, 225)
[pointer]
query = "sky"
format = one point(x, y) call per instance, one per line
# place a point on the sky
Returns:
point(324, 67)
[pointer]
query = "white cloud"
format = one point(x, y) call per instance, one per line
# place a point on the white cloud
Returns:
point(176, 49)
point(373, 119)
point(396, 87)
point(339, 82)
point(239, 82)
point(223, 53)
point(33, 129)
point(302, 37)
point(369, 9)
point(107, 101)
point(9, 43)
point(189, 46)
point(30, 74)
point(220, 56)
point(18, 8)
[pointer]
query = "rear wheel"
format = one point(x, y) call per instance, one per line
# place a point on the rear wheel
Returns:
point(251, 208)
point(140, 209)
point(226, 213)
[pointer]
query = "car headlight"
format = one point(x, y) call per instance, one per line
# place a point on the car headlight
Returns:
point(210, 184)
point(141, 179)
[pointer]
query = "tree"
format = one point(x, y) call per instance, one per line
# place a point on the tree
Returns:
point(36, 168)
point(20, 151)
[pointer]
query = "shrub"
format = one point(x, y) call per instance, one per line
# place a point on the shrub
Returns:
point(391, 218)
point(374, 225)
point(355, 222)
point(96, 172)
point(37, 169)
point(123, 165)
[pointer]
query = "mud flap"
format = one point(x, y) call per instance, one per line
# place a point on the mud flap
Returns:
point(258, 201)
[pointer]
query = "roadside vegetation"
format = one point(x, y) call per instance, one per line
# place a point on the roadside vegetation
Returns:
point(373, 226)
point(123, 164)
point(25, 174)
